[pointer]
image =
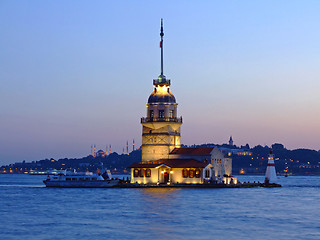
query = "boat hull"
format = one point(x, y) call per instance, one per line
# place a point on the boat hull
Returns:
point(84, 184)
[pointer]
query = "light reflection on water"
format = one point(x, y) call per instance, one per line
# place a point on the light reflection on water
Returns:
point(159, 192)
point(29, 211)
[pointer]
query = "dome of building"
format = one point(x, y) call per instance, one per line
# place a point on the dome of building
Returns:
point(161, 96)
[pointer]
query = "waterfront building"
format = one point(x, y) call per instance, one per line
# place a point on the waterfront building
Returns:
point(163, 160)
point(167, 171)
point(186, 165)
point(236, 151)
point(220, 160)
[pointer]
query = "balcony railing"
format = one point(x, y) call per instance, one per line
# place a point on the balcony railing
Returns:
point(177, 120)
point(161, 82)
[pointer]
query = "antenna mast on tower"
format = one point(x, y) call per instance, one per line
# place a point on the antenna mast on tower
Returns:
point(161, 46)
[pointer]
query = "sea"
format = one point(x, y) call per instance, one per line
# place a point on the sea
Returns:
point(29, 210)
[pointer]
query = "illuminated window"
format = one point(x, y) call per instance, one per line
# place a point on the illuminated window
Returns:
point(161, 113)
point(197, 173)
point(142, 172)
point(170, 113)
point(185, 173)
point(136, 172)
point(148, 172)
point(151, 114)
point(191, 173)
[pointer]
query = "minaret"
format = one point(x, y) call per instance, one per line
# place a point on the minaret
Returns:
point(127, 148)
point(94, 151)
point(133, 145)
point(106, 150)
point(122, 150)
point(271, 176)
point(231, 141)
point(161, 127)
point(91, 151)
point(110, 149)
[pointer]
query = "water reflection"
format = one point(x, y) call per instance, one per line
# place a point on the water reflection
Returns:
point(160, 192)
point(159, 206)
point(160, 213)
point(21, 185)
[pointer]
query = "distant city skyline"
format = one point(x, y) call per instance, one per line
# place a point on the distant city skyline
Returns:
point(77, 74)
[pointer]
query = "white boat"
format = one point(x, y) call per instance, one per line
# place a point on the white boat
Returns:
point(73, 179)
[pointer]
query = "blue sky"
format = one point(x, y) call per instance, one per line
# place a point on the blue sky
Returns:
point(76, 73)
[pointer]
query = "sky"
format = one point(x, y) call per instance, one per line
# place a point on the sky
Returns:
point(77, 73)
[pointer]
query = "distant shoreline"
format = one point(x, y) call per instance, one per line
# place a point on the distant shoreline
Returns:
point(126, 174)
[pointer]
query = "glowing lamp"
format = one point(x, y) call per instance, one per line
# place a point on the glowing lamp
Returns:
point(162, 89)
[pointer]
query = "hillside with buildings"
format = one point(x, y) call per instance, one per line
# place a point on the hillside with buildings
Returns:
point(245, 160)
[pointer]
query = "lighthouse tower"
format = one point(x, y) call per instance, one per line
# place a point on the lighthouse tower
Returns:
point(271, 176)
point(161, 127)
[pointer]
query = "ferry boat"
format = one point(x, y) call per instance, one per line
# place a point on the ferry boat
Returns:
point(73, 179)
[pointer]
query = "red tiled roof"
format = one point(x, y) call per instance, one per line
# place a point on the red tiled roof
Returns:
point(193, 151)
point(143, 165)
point(173, 163)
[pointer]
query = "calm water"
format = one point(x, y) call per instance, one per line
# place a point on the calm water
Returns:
point(31, 211)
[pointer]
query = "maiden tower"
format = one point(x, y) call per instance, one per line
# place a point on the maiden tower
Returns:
point(161, 127)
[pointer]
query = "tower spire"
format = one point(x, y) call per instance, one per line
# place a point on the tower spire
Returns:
point(161, 80)
point(161, 46)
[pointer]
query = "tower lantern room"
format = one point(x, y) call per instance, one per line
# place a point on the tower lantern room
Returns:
point(161, 126)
